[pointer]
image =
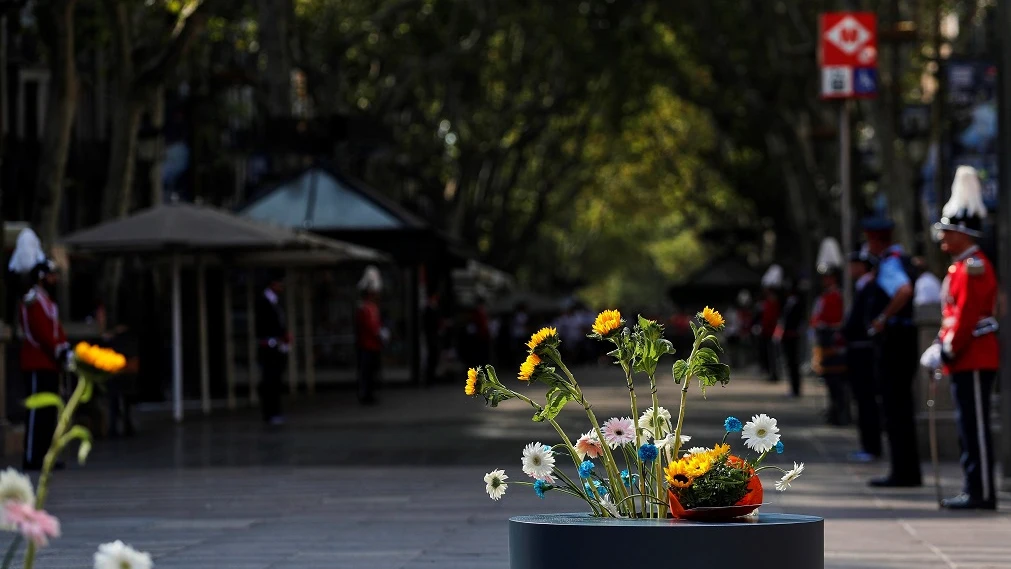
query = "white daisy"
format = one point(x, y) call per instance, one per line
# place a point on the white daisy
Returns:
point(15, 487)
point(783, 483)
point(694, 450)
point(609, 506)
point(495, 484)
point(538, 461)
point(648, 422)
point(761, 433)
point(118, 555)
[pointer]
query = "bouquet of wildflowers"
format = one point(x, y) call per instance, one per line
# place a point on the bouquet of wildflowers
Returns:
point(634, 466)
point(21, 506)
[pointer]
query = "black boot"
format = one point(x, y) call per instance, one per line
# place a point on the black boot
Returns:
point(967, 502)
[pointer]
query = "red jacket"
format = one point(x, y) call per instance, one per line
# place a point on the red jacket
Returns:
point(770, 317)
point(969, 295)
point(828, 310)
point(45, 343)
point(369, 327)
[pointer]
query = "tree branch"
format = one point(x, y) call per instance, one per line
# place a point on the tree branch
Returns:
point(191, 20)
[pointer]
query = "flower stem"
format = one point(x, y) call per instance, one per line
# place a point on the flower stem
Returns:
point(55, 447)
point(638, 435)
point(11, 550)
point(657, 431)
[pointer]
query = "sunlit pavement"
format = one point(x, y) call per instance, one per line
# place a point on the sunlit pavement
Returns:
point(400, 485)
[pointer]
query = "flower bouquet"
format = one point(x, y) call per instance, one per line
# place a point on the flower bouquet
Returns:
point(21, 506)
point(634, 466)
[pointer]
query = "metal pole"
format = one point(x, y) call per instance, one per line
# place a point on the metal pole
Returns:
point(226, 308)
point(177, 342)
point(846, 201)
point(1003, 226)
point(251, 345)
point(205, 373)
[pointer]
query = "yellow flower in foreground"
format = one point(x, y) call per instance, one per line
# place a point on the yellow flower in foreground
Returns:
point(720, 450)
point(698, 465)
point(713, 318)
point(541, 335)
point(471, 387)
point(607, 321)
point(99, 358)
point(528, 367)
point(677, 476)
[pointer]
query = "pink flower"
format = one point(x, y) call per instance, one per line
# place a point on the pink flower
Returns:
point(619, 431)
point(35, 525)
point(588, 446)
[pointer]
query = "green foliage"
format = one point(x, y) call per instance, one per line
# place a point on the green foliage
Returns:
point(723, 485)
point(83, 435)
point(557, 398)
point(40, 400)
point(650, 346)
point(491, 388)
point(680, 371)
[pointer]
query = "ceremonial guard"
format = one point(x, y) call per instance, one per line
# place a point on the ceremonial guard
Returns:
point(829, 354)
point(966, 348)
point(370, 334)
point(44, 349)
point(896, 349)
point(274, 341)
point(868, 301)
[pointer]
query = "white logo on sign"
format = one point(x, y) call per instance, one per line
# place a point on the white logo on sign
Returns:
point(848, 35)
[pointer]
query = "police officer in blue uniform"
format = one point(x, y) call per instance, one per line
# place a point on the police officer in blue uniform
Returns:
point(897, 354)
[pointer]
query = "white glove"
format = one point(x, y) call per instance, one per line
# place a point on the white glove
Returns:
point(384, 333)
point(931, 358)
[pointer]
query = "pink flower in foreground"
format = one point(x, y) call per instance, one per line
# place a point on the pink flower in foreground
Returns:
point(618, 432)
point(588, 446)
point(35, 525)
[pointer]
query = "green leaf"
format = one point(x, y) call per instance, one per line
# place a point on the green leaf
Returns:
point(40, 400)
point(716, 342)
point(557, 399)
point(710, 374)
point(88, 391)
point(83, 451)
point(680, 371)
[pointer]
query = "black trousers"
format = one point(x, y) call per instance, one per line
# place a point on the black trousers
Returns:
point(368, 373)
point(40, 424)
point(272, 366)
point(863, 383)
point(971, 391)
point(897, 364)
point(791, 354)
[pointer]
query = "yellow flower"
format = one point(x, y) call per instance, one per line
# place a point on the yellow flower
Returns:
point(541, 335)
point(471, 387)
point(528, 367)
point(720, 450)
point(677, 476)
point(607, 321)
point(698, 465)
point(99, 358)
point(713, 318)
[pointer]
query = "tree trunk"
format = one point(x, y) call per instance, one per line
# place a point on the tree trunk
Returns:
point(118, 191)
point(58, 21)
point(158, 164)
point(275, 33)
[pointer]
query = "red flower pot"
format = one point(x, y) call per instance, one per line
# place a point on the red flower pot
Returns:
point(749, 503)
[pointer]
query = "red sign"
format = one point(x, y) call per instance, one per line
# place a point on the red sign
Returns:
point(849, 38)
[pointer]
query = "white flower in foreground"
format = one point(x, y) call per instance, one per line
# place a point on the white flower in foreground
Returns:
point(694, 450)
point(685, 438)
point(495, 484)
point(783, 483)
point(15, 488)
point(609, 506)
point(761, 433)
point(118, 555)
point(649, 420)
point(538, 461)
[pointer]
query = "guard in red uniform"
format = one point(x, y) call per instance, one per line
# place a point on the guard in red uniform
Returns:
point(370, 335)
point(966, 347)
point(44, 351)
point(826, 323)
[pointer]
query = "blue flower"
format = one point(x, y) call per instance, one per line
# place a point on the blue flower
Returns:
point(540, 487)
point(586, 469)
point(628, 480)
point(733, 425)
point(601, 489)
point(779, 447)
point(648, 453)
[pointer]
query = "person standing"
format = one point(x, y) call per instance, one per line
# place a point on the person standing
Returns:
point(768, 316)
point(826, 322)
point(369, 334)
point(273, 339)
point(868, 301)
point(966, 346)
point(44, 350)
point(896, 354)
point(788, 337)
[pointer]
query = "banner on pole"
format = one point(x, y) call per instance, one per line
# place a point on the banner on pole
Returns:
point(848, 55)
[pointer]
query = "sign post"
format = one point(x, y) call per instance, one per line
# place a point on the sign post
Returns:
point(848, 59)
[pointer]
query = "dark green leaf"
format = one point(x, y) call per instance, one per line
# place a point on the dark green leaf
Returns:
point(680, 371)
point(88, 391)
point(557, 399)
point(710, 374)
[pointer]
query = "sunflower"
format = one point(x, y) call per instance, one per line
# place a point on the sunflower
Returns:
point(713, 318)
point(540, 336)
point(607, 321)
point(720, 450)
point(676, 475)
point(698, 465)
point(99, 358)
point(528, 367)
point(471, 387)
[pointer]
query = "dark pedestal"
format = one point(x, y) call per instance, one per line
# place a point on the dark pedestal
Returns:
point(561, 541)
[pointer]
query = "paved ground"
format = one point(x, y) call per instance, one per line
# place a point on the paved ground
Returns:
point(399, 486)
